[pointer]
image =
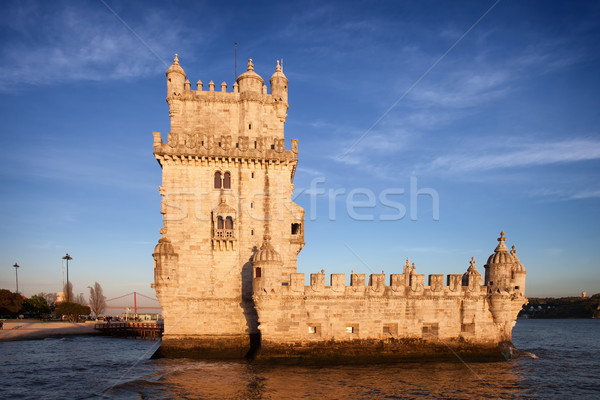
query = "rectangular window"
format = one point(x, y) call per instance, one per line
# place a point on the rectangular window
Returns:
point(296, 229)
point(390, 330)
point(349, 329)
point(430, 329)
point(467, 328)
point(312, 330)
point(284, 284)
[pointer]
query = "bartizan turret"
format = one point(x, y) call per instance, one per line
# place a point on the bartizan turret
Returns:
point(165, 266)
point(267, 266)
point(505, 280)
point(250, 82)
point(175, 79)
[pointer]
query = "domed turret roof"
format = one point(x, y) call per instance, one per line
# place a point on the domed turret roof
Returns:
point(501, 254)
point(175, 67)
point(519, 267)
point(266, 252)
point(472, 270)
point(164, 246)
point(278, 73)
point(250, 73)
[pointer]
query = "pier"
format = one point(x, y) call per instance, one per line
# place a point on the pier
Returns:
point(134, 330)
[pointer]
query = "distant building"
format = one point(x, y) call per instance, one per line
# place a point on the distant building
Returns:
point(583, 294)
point(225, 266)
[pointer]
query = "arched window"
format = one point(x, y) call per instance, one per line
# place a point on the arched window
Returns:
point(227, 180)
point(217, 180)
point(220, 222)
point(229, 223)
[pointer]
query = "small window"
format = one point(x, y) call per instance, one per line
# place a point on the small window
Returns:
point(219, 144)
point(284, 284)
point(255, 144)
point(272, 147)
point(220, 222)
point(467, 328)
point(227, 180)
point(228, 223)
point(251, 232)
point(430, 329)
point(252, 174)
point(251, 205)
point(349, 329)
point(296, 229)
point(258, 272)
point(217, 180)
point(312, 330)
point(249, 126)
point(390, 330)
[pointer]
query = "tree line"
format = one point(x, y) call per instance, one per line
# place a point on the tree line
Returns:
point(44, 304)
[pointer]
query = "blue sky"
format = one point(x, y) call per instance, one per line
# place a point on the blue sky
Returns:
point(504, 128)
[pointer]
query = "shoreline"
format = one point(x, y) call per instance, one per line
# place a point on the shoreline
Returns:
point(15, 330)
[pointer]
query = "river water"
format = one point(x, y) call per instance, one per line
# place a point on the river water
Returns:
point(564, 362)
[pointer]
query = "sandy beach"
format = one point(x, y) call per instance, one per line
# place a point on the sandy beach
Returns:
point(31, 330)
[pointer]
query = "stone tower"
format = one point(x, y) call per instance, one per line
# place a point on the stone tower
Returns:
point(227, 182)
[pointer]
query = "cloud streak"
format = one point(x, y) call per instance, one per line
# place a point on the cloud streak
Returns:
point(521, 155)
point(81, 44)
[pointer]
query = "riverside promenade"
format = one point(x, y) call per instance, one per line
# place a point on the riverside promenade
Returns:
point(32, 330)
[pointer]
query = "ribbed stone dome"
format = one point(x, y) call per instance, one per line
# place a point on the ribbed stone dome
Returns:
point(164, 246)
point(278, 73)
point(266, 253)
point(501, 254)
point(250, 74)
point(175, 67)
point(519, 267)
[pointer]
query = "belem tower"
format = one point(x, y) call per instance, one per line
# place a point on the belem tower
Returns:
point(225, 268)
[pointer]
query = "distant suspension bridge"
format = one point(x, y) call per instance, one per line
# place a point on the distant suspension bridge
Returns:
point(126, 303)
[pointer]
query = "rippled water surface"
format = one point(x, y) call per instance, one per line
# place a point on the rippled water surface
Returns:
point(564, 363)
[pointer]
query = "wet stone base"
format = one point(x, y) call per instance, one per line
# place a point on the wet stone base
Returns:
point(205, 347)
point(378, 351)
point(331, 352)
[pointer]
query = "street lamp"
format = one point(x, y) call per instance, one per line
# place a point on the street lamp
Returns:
point(17, 275)
point(67, 257)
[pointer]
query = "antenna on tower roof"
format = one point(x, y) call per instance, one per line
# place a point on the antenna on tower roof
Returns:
point(235, 63)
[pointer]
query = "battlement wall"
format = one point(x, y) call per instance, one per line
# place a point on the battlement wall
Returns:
point(400, 285)
point(229, 146)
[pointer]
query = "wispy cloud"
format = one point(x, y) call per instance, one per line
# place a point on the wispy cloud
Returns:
point(77, 41)
point(496, 156)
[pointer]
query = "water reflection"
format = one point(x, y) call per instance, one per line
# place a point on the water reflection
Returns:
point(216, 380)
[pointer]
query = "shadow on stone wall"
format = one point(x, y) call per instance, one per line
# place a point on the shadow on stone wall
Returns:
point(249, 308)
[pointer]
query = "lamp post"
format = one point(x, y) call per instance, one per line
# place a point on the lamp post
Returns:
point(67, 257)
point(17, 275)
